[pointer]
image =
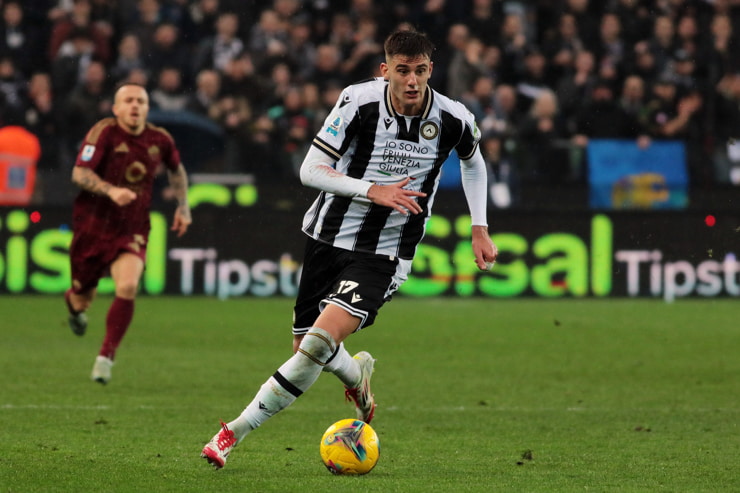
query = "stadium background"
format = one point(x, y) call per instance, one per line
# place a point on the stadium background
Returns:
point(243, 86)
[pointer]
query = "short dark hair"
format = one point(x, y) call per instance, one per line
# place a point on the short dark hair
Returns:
point(408, 43)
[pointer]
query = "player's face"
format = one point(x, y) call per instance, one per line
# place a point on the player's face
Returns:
point(408, 77)
point(131, 107)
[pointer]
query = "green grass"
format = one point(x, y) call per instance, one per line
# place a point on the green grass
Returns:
point(473, 395)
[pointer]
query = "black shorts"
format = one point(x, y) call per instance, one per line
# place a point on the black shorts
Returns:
point(360, 283)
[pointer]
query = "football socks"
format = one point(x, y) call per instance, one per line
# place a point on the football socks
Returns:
point(119, 317)
point(293, 378)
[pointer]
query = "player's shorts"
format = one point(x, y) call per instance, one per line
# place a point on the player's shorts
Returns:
point(360, 283)
point(91, 256)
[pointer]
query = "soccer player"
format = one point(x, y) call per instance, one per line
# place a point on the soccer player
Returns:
point(115, 170)
point(376, 162)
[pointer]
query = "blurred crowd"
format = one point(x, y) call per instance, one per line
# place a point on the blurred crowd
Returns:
point(542, 77)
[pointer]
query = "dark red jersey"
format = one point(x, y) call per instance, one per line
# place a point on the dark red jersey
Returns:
point(124, 160)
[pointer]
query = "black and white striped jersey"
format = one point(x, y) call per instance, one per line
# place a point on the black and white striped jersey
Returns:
point(371, 142)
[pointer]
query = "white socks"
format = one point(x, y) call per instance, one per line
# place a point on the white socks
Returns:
point(293, 378)
point(344, 367)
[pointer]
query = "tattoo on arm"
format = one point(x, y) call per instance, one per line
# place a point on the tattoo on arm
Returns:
point(88, 180)
point(179, 183)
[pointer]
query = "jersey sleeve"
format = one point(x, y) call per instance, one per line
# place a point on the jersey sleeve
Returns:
point(470, 137)
point(340, 126)
point(94, 146)
point(171, 157)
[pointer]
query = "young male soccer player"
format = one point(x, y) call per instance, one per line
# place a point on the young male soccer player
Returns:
point(377, 163)
point(115, 170)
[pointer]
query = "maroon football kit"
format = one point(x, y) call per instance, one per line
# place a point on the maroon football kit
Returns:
point(103, 229)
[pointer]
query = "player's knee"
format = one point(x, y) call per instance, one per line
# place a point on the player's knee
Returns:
point(126, 289)
point(297, 339)
point(317, 345)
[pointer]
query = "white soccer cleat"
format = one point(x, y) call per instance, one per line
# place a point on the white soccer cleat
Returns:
point(217, 450)
point(361, 395)
point(101, 371)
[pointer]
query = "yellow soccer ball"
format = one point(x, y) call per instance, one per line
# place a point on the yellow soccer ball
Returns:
point(350, 446)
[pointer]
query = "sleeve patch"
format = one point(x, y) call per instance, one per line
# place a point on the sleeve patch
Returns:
point(333, 127)
point(87, 152)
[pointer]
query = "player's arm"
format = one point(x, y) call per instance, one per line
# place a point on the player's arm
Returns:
point(317, 171)
point(474, 181)
point(90, 181)
point(179, 183)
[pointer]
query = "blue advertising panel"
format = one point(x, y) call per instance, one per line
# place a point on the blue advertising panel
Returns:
point(622, 175)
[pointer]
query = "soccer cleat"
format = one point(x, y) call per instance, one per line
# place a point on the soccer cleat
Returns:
point(217, 450)
point(77, 320)
point(101, 371)
point(361, 395)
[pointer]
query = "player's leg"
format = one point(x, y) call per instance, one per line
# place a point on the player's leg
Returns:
point(289, 382)
point(126, 271)
point(86, 269)
point(77, 305)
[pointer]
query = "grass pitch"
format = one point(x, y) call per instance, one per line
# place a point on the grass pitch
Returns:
point(473, 395)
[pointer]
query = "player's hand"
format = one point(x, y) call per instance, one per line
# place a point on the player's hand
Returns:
point(483, 248)
point(181, 222)
point(121, 196)
point(396, 196)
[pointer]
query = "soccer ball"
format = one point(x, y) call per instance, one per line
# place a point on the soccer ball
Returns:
point(350, 446)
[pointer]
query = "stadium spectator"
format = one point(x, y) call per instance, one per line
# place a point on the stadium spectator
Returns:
point(575, 87)
point(215, 52)
point(41, 118)
point(533, 77)
point(301, 49)
point(327, 66)
point(543, 148)
point(234, 115)
point(144, 21)
point(726, 144)
point(610, 49)
point(635, 19)
point(514, 46)
point(206, 94)
point(587, 19)
point(480, 98)
point(632, 97)
point(75, 21)
point(484, 20)
point(12, 92)
point(662, 43)
point(71, 62)
point(268, 39)
point(240, 78)
point(365, 53)
point(87, 103)
point(129, 57)
point(602, 117)
point(563, 46)
point(458, 35)
point(168, 49)
point(724, 45)
point(115, 171)
point(503, 175)
point(169, 94)
point(465, 67)
point(668, 115)
point(506, 118)
point(19, 39)
point(292, 132)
